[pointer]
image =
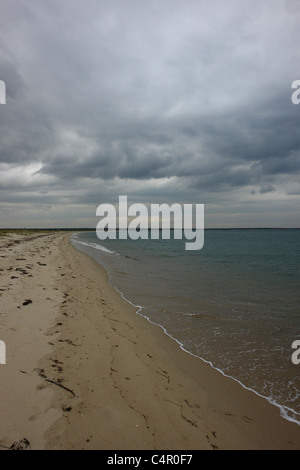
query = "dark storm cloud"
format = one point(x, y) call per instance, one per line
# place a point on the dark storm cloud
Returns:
point(165, 98)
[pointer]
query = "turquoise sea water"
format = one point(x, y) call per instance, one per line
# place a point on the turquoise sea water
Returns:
point(234, 303)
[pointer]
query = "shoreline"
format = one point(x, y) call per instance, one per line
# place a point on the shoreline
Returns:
point(105, 378)
point(282, 410)
point(285, 412)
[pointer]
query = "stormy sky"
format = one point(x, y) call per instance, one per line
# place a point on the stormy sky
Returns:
point(183, 101)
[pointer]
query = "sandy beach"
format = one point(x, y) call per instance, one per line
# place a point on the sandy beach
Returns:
point(84, 371)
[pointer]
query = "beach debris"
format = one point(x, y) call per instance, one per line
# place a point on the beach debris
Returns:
point(58, 368)
point(164, 373)
point(22, 444)
point(69, 342)
point(21, 270)
point(40, 372)
point(66, 408)
point(247, 419)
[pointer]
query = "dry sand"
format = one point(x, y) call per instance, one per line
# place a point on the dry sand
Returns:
point(84, 371)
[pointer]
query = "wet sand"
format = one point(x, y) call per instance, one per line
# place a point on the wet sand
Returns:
point(84, 371)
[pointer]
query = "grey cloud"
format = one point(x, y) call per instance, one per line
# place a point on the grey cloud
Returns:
point(267, 189)
point(129, 93)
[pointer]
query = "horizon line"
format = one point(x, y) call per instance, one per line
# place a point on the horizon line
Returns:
point(93, 229)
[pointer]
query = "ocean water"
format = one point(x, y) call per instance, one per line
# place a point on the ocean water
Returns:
point(234, 303)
